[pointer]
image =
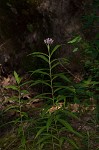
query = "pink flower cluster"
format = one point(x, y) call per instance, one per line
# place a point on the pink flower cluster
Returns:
point(48, 41)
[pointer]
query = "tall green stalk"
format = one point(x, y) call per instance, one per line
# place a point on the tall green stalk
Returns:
point(50, 69)
point(21, 119)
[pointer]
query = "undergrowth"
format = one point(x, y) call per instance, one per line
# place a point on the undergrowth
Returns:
point(52, 128)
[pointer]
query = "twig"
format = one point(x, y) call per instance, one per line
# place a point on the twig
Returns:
point(65, 68)
point(4, 43)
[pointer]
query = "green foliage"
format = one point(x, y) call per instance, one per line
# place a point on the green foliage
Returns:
point(53, 124)
point(18, 108)
point(51, 129)
point(50, 77)
point(91, 54)
point(88, 87)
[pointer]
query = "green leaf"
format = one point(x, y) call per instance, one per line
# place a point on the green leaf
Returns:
point(54, 77)
point(10, 122)
point(61, 141)
point(14, 98)
point(20, 129)
point(78, 134)
point(71, 88)
point(48, 124)
point(40, 82)
point(28, 82)
point(11, 107)
point(62, 76)
point(39, 53)
point(72, 143)
point(60, 97)
point(44, 58)
point(45, 112)
point(23, 141)
point(45, 138)
point(55, 48)
point(55, 137)
point(75, 50)
point(56, 64)
point(24, 92)
point(13, 87)
point(40, 71)
point(75, 40)
point(24, 114)
point(53, 61)
point(57, 89)
point(63, 61)
point(71, 114)
point(41, 146)
point(17, 78)
point(17, 121)
point(66, 124)
point(41, 96)
point(40, 131)
point(87, 83)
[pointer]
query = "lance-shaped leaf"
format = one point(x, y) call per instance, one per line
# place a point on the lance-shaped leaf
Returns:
point(75, 40)
point(49, 122)
point(56, 138)
point(62, 76)
point(11, 107)
point(61, 140)
point(55, 65)
point(39, 53)
point(40, 71)
point(23, 141)
point(72, 142)
point(70, 114)
point(28, 82)
point(40, 82)
point(55, 48)
point(40, 131)
point(43, 57)
point(69, 127)
point(53, 61)
point(75, 50)
point(66, 124)
point(13, 87)
point(17, 78)
point(41, 96)
point(71, 88)
point(44, 138)
point(56, 76)
point(24, 92)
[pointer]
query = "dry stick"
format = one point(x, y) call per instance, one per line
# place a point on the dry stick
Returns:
point(4, 43)
point(65, 68)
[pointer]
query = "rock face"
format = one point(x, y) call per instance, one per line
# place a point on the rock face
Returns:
point(59, 19)
point(63, 17)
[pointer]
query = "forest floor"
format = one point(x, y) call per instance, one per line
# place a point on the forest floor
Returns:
point(8, 132)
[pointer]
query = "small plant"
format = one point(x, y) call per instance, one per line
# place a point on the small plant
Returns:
point(88, 87)
point(51, 125)
point(50, 77)
point(18, 108)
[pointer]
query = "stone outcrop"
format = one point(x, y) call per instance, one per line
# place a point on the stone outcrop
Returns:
point(32, 22)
